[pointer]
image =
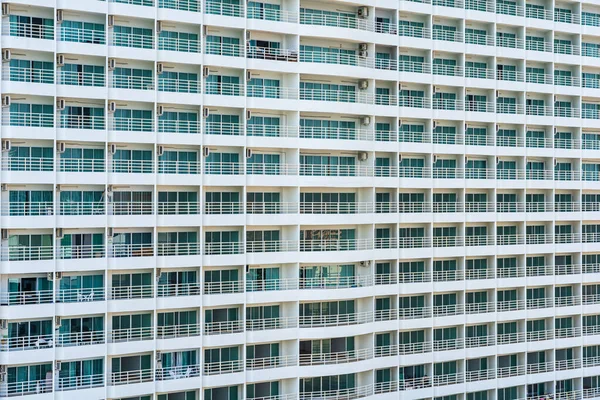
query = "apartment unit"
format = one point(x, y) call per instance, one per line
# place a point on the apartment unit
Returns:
point(300, 199)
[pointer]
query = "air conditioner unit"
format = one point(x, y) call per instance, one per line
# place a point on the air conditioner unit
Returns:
point(434, 159)
point(158, 356)
point(59, 16)
point(497, 93)
point(4, 234)
point(6, 101)
point(158, 273)
point(60, 147)
point(50, 276)
point(158, 26)
point(466, 160)
point(365, 120)
point(57, 322)
point(205, 112)
point(6, 55)
point(4, 187)
point(248, 153)
point(497, 128)
point(248, 75)
point(362, 12)
point(111, 21)
point(160, 68)
point(109, 188)
point(58, 188)
point(466, 127)
point(113, 148)
point(248, 114)
point(59, 233)
point(399, 122)
point(109, 232)
point(5, 9)
point(434, 125)
point(363, 54)
point(364, 264)
point(112, 63)
point(363, 84)
point(363, 156)
point(3, 324)
point(555, 130)
point(159, 110)
point(60, 104)
point(160, 150)
point(112, 106)
point(399, 86)
point(205, 30)
point(205, 151)
point(434, 90)
point(6, 145)
point(555, 162)
point(363, 46)
point(205, 72)
point(497, 160)
point(58, 366)
point(399, 157)
point(58, 276)
point(248, 36)
point(60, 60)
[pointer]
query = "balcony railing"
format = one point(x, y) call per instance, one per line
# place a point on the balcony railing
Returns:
point(179, 372)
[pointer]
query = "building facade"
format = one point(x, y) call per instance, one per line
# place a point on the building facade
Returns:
point(300, 199)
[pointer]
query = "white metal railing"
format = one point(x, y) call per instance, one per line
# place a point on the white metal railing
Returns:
point(315, 321)
point(223, 327)
point(263, 285)
point(271, 323)
point(336, 358)
point(223, 287)
point(131, 292)
point(30, 342)
point(177, 331)
point(131, 334)
point(177, 372)
point(80, 338)
point(271, 362)
point(79, 382)
point(223, 367)
point(29, 208)
point(26, 297)
point(29, 75)
point(80, 295)
point(130, 377)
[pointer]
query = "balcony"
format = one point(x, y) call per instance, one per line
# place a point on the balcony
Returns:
point(317, 321)
point(20, 343)
point(80, 295)
point(26, 298)
point(335, 358)
point(178, 372)
point(223, 327)
point(28, 30)
point(253, 364)
point(79, 382)
point(223, 248)
point(181, 5)
point(177, 331)
point(272, 54)
point(271, 323)
point(28, 75)
point(83, 338)
point(123, 39)
point(23, 388)
point(131, 334)
point(223, 367)
point(131, 377)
